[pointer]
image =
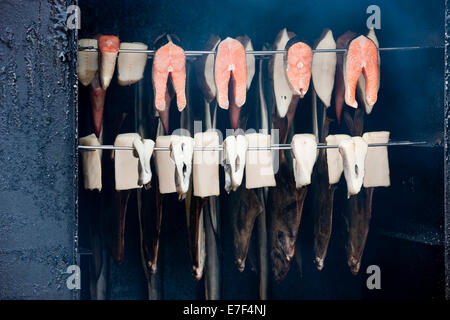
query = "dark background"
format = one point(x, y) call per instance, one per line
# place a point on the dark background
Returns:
point(38, 157)
point(406, 238)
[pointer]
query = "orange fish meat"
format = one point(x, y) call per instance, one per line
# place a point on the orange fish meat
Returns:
point(230, 63)
point(361, 56)
point(169, 59)
point(298, 69)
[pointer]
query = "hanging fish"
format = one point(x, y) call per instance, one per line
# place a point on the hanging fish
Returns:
point(87, 61)
point(323, 68)
point(339, 92)
point(230, 63)
point(131, 65)
point(361, 88)
point(282, 91)
point(97, 96)
point(109, 48)
point(361, 57)
point(298, 66)
point(169, 59)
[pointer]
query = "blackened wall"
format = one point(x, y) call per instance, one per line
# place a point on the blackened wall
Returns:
point(37, 143)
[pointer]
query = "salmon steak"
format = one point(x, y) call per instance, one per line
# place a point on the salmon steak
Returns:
point(230, 63)
point(339, 92)
point(298, 66)
point(361, 57)
point(169, 59)
point(361, 88)
point(109, 48)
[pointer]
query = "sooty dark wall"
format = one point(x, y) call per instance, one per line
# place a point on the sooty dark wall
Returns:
point(37, 141)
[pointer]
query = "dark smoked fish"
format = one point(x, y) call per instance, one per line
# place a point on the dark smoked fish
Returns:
point(359, 207)
point(245, 207)
point(285, 205)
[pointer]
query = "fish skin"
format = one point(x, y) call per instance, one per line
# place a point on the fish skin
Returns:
point(230, 63)
point(298, 66)
point(361, 57)
point(357, 221)
point(244, 209)
point(358, 211)
point(362, 82)
point(284, 218)
point(97, 96)
point(196, 231)
point(151, 212)
point(250, 58)
point(164, 114)
point(234, 108)
point(118, 241)
point(203, 63)
point(285, 205)
point(169, 59)
point(339, 91)
point(323, 210)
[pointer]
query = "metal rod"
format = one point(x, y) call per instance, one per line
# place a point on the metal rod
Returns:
point(272, 147)
point(263, 52)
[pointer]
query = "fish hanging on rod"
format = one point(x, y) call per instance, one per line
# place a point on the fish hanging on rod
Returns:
point(87, 61)
point(339, 92)
point(230, 63)
point(285, 202)
point(109, 48)
point(169, 60)
point(131, 66)
point(298, 66)
point(97, 97)
point(323, 68)
point(361, 87)
point(282, 92)
point(361, 58)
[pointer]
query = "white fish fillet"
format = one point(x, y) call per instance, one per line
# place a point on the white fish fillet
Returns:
point(334, 158)
point(259, 164)
point(353, 153)
point(165, 167)
point(304, 151)
point(92, 164)
point(324, 68)
point(377, 161)
point(206, 165)
point(126, 163)
point(277, 70)
point(234, 152)
point(87, 61)
point(131, 66)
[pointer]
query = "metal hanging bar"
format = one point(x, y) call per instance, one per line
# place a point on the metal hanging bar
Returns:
point(272, 147)
point(264, 52)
